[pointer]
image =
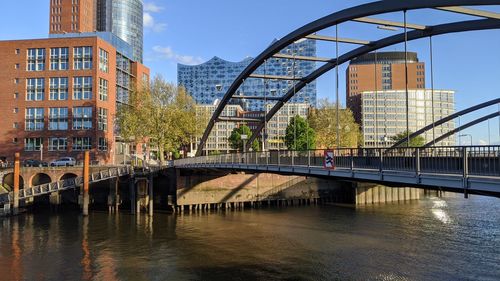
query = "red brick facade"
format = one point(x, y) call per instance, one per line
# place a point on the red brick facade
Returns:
point(72, 16)
point(14, 75)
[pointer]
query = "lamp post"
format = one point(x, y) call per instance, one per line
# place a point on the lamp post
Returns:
point(467, 135)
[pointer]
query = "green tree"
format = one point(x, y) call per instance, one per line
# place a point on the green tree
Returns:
point(324, 122)
point(236, 142)
point(299, 135)
point(417, 141)
point(160, 114)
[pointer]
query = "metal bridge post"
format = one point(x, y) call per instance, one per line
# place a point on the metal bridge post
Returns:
point(308, 158)
point(381, 161)
point(465, 166)
point(293, 158)
point(417, 163)
point(352, 159)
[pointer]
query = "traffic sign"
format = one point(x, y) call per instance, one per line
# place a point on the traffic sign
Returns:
point(328, 160)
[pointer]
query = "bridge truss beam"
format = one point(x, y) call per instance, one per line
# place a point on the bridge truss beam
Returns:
point(350, 14)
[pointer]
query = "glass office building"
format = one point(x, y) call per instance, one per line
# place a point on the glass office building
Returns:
point(208, 82)
point(124, 18)
point(384, 114)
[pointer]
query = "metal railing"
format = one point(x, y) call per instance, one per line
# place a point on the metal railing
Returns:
point(65, 184)
point(457, 160)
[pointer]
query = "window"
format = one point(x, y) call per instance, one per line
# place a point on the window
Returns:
point(35, 89)
point(16, 80)
point(36, 59)
point(102, 120)
point(32, 144)
point(59, 58)
point(58, 144)
point(103, 144)
point(82, 143)
point(17, 52)
point(82, 58)
point(15, 110)
point(58, 88)
point(103, 61)
point(82, 118)
point(58, 118)
point(103, 89)
point(15, 125)
point(34, 119)
point(16, 96)
point(16, 66)
point(82, 88)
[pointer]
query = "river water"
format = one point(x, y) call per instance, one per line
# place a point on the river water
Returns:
point(434, 238)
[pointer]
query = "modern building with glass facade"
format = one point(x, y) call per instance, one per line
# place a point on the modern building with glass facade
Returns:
point(384, 114)
point(276, 127)
point(124, 18)
point(208, 82)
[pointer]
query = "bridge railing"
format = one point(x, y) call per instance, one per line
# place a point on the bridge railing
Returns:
point(459, 160)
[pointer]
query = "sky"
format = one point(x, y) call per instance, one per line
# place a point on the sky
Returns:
point(193, 31)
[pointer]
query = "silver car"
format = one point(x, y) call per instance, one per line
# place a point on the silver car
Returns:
point(65, 161)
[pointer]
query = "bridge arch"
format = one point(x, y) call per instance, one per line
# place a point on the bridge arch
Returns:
point(68, 176)
point(354, 13)
point(8, 181)
point(39, 179)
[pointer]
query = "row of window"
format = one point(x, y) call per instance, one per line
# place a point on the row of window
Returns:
point(82, 88)
point(59, 59)
point(59, 119)
point(61, 144)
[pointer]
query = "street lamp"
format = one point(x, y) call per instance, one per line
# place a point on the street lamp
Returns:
point(467, 135)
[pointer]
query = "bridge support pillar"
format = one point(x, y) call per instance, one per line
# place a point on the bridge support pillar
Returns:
point(150, 192)
point(113, 197)
point(55, 200)
point(131, 186)
point(86, 162)
point(15, 204)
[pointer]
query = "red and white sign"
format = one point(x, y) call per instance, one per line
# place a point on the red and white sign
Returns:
point(328, 160)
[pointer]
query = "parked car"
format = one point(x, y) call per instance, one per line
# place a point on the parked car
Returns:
point(65, 161)
point(34, 163)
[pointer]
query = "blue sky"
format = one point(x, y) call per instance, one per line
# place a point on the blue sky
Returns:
point(193, 31)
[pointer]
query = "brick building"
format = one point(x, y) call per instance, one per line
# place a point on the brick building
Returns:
point(381, 71)
point(59, 94)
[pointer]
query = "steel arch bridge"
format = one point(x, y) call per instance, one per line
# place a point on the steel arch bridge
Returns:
point(362, 14)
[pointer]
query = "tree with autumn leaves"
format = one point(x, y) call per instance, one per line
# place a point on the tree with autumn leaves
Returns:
point(161, 115)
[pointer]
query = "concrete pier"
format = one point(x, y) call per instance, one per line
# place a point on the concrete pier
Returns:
point(150, 194)
point(131, 185)
point(374, 194)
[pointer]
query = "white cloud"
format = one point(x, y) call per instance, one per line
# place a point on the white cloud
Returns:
point(150, 23)
point(169, 54)
point(152, 7)
point(148, 19)
point(483, 142)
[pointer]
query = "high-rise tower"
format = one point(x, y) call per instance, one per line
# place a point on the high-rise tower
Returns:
point(72, 16)
point(124, 19)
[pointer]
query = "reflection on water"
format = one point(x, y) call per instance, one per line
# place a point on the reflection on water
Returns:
point(431, 239)
point(439, 210)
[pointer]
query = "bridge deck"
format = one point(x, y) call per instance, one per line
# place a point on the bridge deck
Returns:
point(471, 169)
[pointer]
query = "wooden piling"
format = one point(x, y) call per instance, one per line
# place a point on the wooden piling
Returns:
point(17, 171)
point(86, 163)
